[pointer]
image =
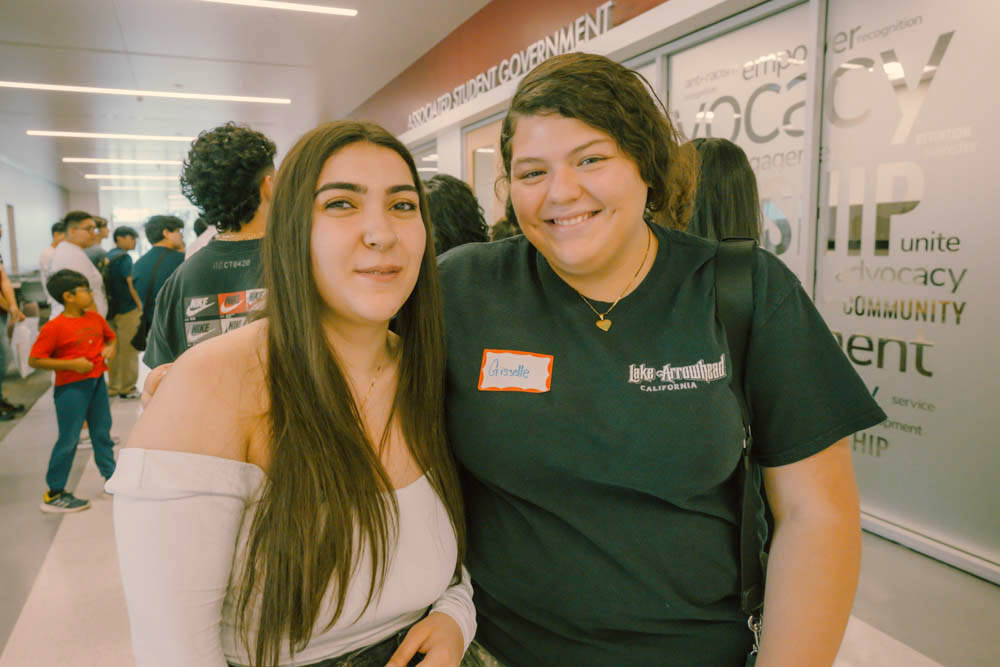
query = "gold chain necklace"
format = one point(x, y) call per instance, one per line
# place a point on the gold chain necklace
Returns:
point(605, 324)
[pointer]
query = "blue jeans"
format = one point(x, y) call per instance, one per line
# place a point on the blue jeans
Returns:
point(76, 402)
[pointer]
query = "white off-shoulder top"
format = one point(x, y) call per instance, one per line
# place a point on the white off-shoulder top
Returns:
point(181, 524)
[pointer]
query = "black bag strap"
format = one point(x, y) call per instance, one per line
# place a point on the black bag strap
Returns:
point(734, 307)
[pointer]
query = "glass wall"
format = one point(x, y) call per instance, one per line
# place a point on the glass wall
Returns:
point(904, 277)
point(483, 166)
point(902, 204)
point(748, 86)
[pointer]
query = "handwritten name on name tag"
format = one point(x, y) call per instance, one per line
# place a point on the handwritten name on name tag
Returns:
point(510, 370)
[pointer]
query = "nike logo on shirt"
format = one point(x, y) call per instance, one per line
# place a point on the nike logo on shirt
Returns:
point(197, 305)
point(197, 333)
point(231, 304)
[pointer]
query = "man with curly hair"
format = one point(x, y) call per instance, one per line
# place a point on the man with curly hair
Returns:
point(227, 176)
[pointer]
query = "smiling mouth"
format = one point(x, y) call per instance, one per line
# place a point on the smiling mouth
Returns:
point(570, 221)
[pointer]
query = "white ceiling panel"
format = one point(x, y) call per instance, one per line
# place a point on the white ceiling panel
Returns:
point(81, 24)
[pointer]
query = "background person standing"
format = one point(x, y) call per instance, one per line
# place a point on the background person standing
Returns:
point(96, 252)
point(70, 254)
point(227, 175)
point(125, 311)
point(8, 305)
point(167, 253)
point(58, 234)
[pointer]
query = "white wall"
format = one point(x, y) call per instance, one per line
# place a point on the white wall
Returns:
point(37, 204)
point(84, 201)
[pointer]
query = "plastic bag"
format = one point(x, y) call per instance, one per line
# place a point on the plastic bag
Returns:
point(21, 340)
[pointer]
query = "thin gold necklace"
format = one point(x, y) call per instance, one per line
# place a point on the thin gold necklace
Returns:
point(375, 377)
point(605, 324)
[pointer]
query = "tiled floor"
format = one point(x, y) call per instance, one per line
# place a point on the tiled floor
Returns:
point(61, 601)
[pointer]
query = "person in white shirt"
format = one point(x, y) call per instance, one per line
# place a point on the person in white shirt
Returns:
point(58, 234)
point(70, 254)
point(306, 509)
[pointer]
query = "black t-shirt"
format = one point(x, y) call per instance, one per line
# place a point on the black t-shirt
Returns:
point(142, 274)
point(601, 499)
point(119, 269)
point(211, 293)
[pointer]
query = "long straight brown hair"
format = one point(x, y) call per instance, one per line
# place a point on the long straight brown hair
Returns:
point(327, 497)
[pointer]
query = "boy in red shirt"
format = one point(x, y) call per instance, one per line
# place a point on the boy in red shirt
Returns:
point(75, 345)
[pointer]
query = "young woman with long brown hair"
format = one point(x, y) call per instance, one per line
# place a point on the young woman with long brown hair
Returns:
point(289, 497)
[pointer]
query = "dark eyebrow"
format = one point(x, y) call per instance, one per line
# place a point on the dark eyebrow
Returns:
point(578, 149)
point(353, 187)
point(361, 189)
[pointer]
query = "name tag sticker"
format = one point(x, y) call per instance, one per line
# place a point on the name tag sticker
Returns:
point(509, 370)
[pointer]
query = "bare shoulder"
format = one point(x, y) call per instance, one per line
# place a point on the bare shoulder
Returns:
point(210, 400)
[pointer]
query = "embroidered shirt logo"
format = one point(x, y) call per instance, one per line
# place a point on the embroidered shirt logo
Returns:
point(674, 378)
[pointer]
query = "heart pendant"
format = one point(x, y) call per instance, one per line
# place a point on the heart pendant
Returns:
point(603, 325)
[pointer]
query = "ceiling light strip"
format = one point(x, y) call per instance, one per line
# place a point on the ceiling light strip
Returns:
point(143, 93)
point(105, 135)
point(124, 177)
point(135, 188)
point(99, 160)
point(290, 6)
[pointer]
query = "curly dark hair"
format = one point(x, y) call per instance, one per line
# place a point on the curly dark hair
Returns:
point(616, 100)
point(223, 172)
point(455, 213)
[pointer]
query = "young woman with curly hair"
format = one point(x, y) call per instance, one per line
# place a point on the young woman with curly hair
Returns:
point(589, 404)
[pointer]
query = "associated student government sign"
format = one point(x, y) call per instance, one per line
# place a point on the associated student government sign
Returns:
point(564, 40)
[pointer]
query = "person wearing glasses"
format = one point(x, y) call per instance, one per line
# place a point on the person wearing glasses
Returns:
point(81, 233)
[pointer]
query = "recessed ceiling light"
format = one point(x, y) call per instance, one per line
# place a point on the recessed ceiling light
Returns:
point(135, 188)
point(120, 177)
point(111, 160)
point(143, 93)
point(291, 6)
point(426, 168)
point(430, 158)
point(106, 135)
point(485, 150)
